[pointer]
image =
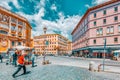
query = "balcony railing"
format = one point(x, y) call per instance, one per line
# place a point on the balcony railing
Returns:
point(19, 34)
point(4, 26)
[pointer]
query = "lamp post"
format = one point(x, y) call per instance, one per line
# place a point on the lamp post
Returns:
point(104, 54)
point(44, 29)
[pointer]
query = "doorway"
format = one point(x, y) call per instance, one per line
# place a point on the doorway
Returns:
point(99, 55)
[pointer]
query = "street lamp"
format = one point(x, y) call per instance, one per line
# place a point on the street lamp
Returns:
point(44, 29)
point(104, 53)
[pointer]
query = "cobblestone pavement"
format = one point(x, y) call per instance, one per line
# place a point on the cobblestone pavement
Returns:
point(57, 70)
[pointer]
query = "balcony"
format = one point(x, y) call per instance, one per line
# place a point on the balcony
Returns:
point(13, 31)
point(5, 26)
point(19, 34)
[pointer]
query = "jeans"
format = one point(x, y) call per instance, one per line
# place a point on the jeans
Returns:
point(32, 62)
point(1, 60)
point(15, 62)
point(19, 68)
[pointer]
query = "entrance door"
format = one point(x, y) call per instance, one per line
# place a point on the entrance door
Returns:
point(99, 55)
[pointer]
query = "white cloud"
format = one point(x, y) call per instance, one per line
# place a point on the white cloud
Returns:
point(87, 5)
point(65, 25)
point(53, 7)
point(99, 1)
point(4, 3)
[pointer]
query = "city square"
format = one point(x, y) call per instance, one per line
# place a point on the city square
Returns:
point(61, 68)
point(60, 40)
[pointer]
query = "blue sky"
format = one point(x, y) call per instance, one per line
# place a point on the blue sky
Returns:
point(59, 16)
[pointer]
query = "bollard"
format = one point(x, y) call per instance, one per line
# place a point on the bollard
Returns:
point(44, 63)
point(47, 62)
point(99, 68)
point(91, 66)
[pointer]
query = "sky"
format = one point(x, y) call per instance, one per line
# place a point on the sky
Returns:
point(59, 16)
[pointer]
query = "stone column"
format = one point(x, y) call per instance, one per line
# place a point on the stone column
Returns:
point(17, 28)
point(24, 34)
point(9, 33)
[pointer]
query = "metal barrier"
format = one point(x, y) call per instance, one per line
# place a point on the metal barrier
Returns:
point(99, 66)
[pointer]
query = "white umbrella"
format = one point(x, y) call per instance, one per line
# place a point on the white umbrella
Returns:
point(117, 51)
point(21, 47)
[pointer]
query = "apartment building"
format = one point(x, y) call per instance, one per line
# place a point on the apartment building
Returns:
point(99, 24)
point(51, 44)
point(14, 30)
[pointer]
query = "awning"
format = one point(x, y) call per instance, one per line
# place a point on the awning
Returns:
point(117, 51)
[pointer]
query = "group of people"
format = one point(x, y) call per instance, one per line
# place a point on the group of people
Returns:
point(18, 59)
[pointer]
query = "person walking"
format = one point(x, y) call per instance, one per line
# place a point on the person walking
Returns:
point(10, 54)
point(1, 57)
point(15, 58)
point(21, 64)
point(33, 59)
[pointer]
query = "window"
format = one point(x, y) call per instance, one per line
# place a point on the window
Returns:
point(0, 16)
point(3, 32)
point(116, 39)
point(13, 28)
point(116, 18)
point(94, 41)
point(13, 43)
point(104, 21)
point(99, 31)
point(19, 29)
point(94, 15)
point(13, 20)
point(104, 12)
point(119, 28)
point(20, 22)
point(110, 30)
point(116, 9)
point(4, 19)
point(19, 43)
point(94, 23)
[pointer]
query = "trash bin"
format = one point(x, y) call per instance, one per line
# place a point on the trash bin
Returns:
point(91, 65)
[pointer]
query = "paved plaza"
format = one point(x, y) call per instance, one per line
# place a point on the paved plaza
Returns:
point(61, 68)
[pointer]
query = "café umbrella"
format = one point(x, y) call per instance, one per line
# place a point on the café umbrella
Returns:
point(117, 51)
point(21, 47)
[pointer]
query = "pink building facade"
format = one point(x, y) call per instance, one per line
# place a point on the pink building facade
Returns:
point(99, 22)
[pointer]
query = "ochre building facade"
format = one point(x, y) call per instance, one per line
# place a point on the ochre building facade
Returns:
point(14, 30)
point(56, 44)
